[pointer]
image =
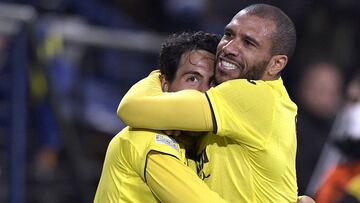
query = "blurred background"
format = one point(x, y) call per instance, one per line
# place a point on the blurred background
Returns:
point(65, 65)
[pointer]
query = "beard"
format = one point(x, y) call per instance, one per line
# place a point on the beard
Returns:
point(255, 72)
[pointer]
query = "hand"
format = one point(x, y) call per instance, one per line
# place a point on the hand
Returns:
point(305, 199)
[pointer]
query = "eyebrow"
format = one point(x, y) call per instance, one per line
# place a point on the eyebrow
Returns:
point(247, 37)
point(192, 72)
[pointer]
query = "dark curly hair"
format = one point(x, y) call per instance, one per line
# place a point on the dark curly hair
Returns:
point(179, 43)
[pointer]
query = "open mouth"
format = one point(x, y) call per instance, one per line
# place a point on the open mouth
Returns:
point(227, 65)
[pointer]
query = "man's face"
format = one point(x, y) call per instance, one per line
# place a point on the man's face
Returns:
point(244, 50)
point(196, 69)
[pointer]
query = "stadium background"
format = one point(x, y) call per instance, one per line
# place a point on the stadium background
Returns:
point(65, 64)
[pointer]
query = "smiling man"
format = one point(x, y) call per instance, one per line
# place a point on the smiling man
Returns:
point(148, 166)
point(250, 157)
point(244, 49)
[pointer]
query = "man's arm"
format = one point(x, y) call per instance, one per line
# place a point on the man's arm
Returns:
point(146, 106)
point(172, 181)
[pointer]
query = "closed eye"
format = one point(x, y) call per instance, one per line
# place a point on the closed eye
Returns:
point(249, 41)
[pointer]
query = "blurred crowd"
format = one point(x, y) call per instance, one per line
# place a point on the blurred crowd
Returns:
point(73, 88)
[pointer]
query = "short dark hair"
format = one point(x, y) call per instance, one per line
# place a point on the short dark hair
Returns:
point(284, 38)
point(179, 43)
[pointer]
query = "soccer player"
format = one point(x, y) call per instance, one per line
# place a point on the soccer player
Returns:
point(148, 166)
point(250, 157)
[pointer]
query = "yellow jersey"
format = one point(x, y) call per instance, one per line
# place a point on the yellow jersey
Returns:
point(123, 174)
point(251, 157)
point(254, 148)
point(148, 166)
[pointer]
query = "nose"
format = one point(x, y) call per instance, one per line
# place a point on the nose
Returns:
point(231, 48)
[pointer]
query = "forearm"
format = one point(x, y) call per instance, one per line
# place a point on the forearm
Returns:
point(146, 106)
point(172, 181)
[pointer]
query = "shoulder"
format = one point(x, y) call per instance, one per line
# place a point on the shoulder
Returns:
point(242, 94)
point(242, 88)
point(245, 83)
point(144, 141)
point(138, 138)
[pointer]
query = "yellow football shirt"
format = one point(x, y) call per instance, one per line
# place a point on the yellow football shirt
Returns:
point(254, 148)
point(252, 155)
point(147, 166)
point(123, 174)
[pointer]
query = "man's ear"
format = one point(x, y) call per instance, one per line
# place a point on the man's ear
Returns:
point(164, 83)
point(276, 65)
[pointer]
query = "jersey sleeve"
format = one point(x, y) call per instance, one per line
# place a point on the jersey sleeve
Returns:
point(173, 182)
point(146, 106)
point(161, 144)
point(243, 111)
